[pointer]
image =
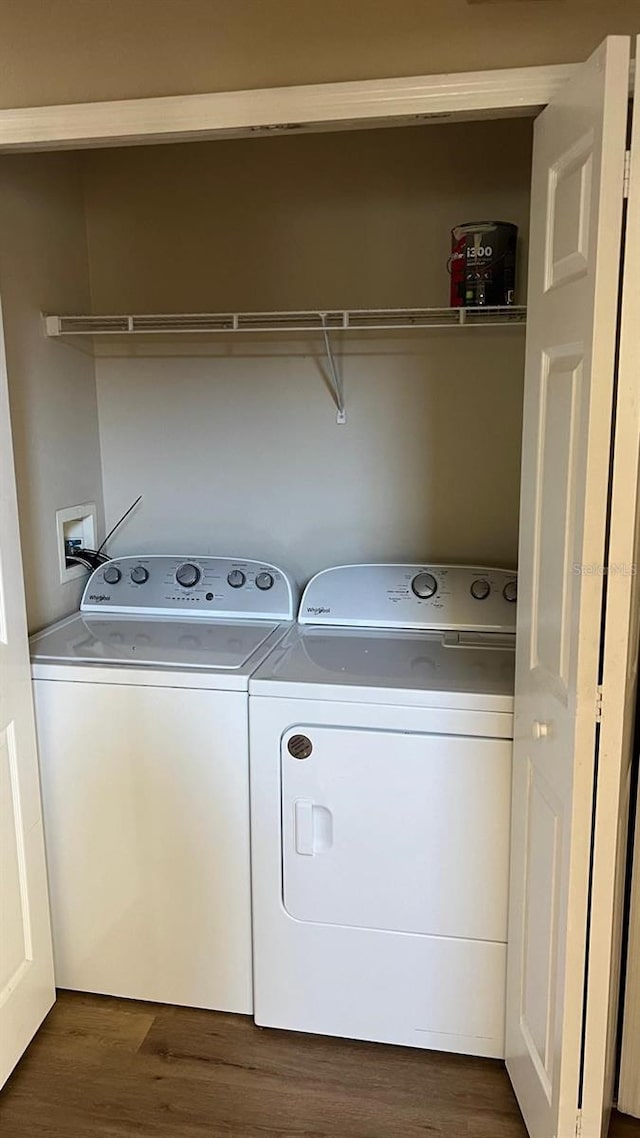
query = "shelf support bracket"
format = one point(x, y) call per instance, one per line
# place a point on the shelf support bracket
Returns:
point(336, 378)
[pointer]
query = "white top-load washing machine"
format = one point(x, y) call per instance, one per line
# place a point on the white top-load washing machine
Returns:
point(380, 753)
point(142, 717)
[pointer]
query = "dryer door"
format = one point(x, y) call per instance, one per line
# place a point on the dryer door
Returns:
point(396, 831)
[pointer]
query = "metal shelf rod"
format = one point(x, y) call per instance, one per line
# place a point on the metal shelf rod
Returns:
point(336, 377)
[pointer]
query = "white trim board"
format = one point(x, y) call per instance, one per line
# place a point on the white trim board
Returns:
point(327, 106)
point(629, 1085)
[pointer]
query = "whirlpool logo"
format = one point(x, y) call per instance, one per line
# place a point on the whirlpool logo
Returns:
point(99, 596)
point(318, 610)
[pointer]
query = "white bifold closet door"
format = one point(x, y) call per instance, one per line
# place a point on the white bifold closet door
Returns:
point(568, 754)
point(622, 657)
point(26, 961)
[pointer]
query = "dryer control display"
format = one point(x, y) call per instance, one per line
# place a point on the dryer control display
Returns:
point(459, 598)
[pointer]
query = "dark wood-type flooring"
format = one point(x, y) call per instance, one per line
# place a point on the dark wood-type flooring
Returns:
point(119, 1069)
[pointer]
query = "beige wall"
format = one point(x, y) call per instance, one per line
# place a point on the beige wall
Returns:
point(353, 220)
point(43, 265)
point(57, 51)
point(237, 449)
point(243, 455)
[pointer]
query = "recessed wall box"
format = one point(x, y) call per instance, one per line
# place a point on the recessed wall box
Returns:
point(75, 523)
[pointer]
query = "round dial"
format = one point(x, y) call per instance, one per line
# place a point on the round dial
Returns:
point(480, 589)
point(187, 575)
point(510, 591)
point(236, 579)
point(424, 585)
point(112, 574)
point(139, 574)
point(264, 580)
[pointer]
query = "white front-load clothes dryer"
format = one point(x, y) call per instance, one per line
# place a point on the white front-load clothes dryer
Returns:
point(142, 716)
point(380, 755)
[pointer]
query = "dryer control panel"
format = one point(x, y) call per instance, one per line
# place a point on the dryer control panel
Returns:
point(457, 598)
point(155, 585)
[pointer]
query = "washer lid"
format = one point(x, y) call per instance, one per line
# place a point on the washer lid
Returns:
point(151, 642)
point(386, 666)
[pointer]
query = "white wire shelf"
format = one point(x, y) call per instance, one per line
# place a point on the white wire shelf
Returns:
point(338, 320)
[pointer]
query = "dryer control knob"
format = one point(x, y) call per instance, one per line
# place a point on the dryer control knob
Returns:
point(480, 589)
point(236, 579)
point(139, 574)
point(424, 585)
point(264, 581)
point(187, 575)
point(112, 574)
point(510, 591)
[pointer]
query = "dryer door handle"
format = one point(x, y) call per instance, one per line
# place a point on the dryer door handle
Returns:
point(313, 827)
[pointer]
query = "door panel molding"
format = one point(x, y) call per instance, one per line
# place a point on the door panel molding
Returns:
point(548, 891)
point(567, 265)
point(561, 435)
point(16, 923)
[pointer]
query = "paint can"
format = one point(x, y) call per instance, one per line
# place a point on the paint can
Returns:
point(483, 264)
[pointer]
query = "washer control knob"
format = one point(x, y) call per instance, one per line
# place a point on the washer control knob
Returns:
point(139, 574)
point(187, 575)
point(510, 591)
point(424, 585)
point(112, 574)
point(236, 579)
point(480, 589)
point(264, 581)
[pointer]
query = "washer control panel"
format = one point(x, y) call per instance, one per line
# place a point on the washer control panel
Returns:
point(190, 586)
point(463, 598)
